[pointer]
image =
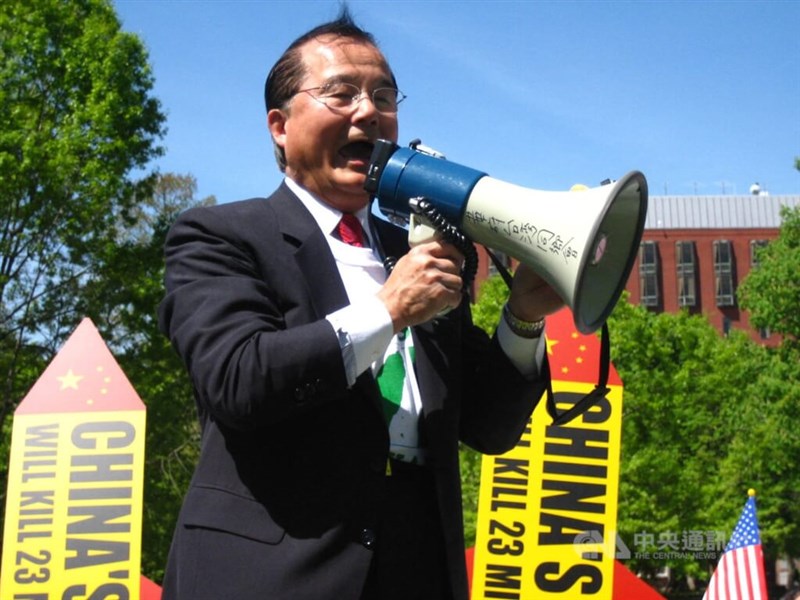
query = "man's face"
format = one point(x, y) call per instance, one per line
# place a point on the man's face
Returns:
point(327, 150)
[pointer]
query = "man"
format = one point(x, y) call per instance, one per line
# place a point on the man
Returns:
point(330, 430)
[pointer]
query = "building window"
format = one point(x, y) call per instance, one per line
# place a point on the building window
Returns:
point(648, 273)
point(755, 246)
point(727, 325)
point(723, 273)
point(685, 264)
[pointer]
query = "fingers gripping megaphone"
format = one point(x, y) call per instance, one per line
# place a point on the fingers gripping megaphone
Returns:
point(583, 243)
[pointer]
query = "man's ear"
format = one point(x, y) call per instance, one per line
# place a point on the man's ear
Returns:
point(276, 123)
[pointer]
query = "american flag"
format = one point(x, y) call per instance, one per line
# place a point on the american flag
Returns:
point(740, 572)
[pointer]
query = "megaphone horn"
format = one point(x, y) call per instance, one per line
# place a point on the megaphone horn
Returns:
point(583, 243)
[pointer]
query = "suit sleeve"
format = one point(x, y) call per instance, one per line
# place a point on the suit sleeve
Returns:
point(497, 400)
point(242, 323)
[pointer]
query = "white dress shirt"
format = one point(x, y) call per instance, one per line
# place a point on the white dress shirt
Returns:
point(365, 326)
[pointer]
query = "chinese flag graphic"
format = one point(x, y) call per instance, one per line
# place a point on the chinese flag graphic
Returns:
point(573, 356)
point(83, 377)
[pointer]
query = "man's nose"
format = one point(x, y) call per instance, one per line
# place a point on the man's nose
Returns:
point(365, 107)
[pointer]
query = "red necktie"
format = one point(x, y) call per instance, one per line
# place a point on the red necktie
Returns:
point(350, 230)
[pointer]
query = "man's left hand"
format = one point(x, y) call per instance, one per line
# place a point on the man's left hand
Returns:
point(531, 297)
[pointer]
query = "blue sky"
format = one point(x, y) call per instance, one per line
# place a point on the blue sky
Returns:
point(703, 97)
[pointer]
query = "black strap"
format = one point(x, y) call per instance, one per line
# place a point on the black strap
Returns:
point(501, 268)
point(589, 400)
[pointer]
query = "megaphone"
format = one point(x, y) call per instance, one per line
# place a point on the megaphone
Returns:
point(583, 243)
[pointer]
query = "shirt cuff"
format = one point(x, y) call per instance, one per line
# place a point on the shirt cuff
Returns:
point(526, 354)
point(364, 330)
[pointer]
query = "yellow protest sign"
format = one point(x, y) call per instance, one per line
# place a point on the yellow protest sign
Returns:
point(74, 500)
point(547, 508)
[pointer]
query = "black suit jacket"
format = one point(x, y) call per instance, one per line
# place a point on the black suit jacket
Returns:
point(292, 460)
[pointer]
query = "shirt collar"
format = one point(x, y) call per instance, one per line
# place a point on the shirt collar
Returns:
point(325, 215)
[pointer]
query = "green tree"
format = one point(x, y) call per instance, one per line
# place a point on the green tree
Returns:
point(705, 418)
point(76, 116)
point(122, 302)
point(492, 295)
point(762, 454)
point(771, 292)
point(668, 410)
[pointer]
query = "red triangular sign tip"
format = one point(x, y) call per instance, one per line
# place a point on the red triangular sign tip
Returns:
point(82, 377)
point(628, 585)
point(574, 356)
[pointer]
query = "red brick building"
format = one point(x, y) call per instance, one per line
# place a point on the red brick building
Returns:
point(697, 249)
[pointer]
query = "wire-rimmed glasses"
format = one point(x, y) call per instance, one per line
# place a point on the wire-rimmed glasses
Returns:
point(343, 96)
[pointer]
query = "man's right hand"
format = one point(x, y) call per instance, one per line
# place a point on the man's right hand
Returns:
point(424, 282)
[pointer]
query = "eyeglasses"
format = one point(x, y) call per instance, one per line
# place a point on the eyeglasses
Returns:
point(346, 96)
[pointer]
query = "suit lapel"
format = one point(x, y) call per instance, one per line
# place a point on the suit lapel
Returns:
point(311, 251)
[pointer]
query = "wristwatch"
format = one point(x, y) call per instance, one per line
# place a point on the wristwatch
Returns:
point(525, 329)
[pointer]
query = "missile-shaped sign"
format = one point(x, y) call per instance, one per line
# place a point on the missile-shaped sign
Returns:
point(547, 509)
point(73, 521)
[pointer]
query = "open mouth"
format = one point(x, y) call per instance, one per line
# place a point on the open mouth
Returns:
point(360, 152)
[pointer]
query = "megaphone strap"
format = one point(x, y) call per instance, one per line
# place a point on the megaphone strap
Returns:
point(501, 268)
point(593, 397)
point(590, 399)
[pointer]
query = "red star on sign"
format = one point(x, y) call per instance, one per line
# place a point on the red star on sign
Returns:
point(82, 377)
point(574, 356)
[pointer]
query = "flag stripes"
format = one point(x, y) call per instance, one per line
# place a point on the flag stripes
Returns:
point(740, 572)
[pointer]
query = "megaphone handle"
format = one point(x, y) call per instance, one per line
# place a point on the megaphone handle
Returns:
point(590, 399)
point(420, 230)
point(427, 223)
